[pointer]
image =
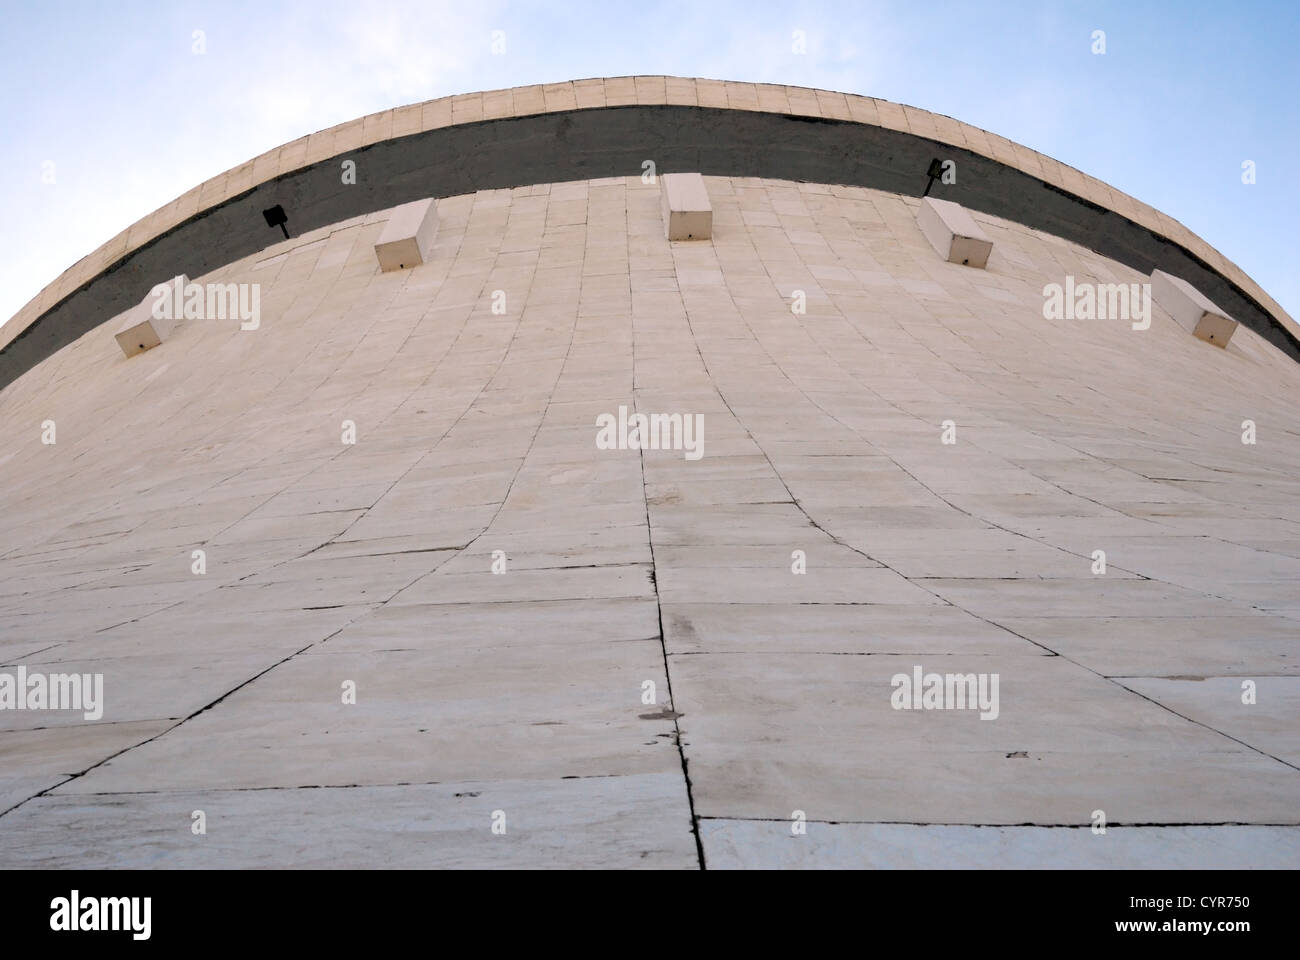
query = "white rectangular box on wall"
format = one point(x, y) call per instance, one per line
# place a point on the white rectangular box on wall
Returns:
point(688, 215)
point(141, 330)
point(953, 232)
point(1191, 309)
point(407, 238)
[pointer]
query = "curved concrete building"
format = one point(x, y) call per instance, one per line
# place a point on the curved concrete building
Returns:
point(911, 562)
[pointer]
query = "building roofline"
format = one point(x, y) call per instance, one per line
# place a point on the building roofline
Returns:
point(883, 141)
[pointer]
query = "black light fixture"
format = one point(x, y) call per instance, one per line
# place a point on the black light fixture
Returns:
point(934, 173)
point(276, 217)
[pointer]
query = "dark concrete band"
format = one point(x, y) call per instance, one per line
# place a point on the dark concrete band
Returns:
point(615, 141)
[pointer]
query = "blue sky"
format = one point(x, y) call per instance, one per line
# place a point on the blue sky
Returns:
point(113, 96)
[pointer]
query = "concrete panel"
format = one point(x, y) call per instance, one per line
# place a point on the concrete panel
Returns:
point(1260, 711)
point(634, 822)
point(771, 733)
point(744, 844)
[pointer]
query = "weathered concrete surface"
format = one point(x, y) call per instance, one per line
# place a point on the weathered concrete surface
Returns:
point(769, 734)
point(535, 711)
point(39, 758)
point(744, 612)
point(1263, 716)
point(742, 844)
point(626, 822)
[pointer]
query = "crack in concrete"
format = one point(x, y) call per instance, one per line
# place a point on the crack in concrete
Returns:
point(174, 726)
